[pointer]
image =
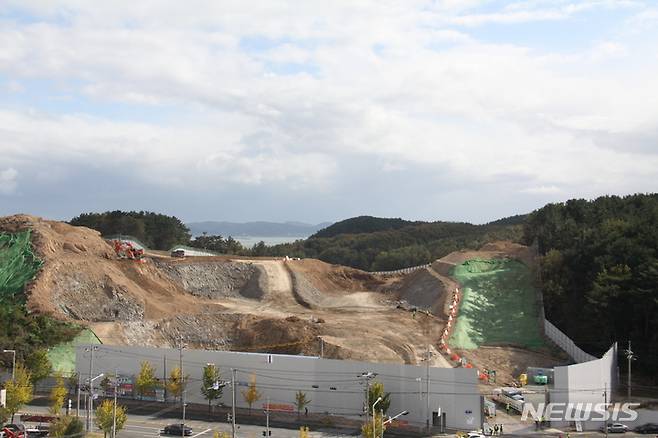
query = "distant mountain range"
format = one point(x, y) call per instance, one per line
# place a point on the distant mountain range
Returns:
point(260, 229)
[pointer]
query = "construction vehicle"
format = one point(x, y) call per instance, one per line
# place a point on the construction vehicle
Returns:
point(14, 431)
point(510, 397)
point(126, 250)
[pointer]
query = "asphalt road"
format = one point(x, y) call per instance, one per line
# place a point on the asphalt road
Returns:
point(149, 427)
point(145, 426)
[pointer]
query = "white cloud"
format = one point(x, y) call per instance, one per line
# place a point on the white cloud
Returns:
point(8, 181)
point(291, 95)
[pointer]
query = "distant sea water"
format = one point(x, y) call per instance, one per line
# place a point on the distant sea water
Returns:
point(249, 241)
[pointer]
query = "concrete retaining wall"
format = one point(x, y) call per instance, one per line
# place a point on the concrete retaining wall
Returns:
point(565, 343)
point(332, 385)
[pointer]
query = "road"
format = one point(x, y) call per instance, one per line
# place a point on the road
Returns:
point(149, 427)
point(146, 426)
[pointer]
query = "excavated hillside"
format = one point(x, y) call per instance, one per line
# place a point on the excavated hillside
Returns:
point(267, 305)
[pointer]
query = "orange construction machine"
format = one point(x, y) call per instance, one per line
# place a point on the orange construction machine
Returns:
point(126, 250)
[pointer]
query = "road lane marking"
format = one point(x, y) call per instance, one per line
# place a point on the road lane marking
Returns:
point(201, 433)
point(140, 427)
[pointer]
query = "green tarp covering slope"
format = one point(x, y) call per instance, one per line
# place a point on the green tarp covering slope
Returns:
point(498, 307)
point(18, 265)
point(62, 356)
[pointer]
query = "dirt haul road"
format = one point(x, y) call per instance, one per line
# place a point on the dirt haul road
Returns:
point(227, 303)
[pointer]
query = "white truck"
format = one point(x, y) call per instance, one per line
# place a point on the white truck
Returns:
point(509, 396)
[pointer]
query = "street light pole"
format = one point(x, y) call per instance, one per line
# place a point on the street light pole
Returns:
point(90, 398)
point(374, 433)
point(13, 362)
point(182, 385)
point(631, 357)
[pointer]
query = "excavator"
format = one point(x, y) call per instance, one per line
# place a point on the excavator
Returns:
point(126, 250)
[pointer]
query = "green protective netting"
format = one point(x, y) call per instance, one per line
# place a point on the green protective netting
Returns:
point(62, 356)
point(499, 305)
point(18, 264)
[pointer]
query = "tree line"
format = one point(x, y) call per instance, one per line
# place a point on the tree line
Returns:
point(394, 244)
point(599, 272)
point(365, 242)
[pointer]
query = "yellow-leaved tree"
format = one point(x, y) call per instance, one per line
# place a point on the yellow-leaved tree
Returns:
point(105, 416)
point(19, 390)
point(58, 395)
point(146, 380)
point(251, 395)
point(176, 383)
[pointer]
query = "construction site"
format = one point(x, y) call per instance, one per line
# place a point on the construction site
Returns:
point(476, 310)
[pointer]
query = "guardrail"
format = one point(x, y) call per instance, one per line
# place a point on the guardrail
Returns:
point(403, 270)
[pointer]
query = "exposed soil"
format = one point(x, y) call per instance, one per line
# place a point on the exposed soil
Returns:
point(259, 304)
point(509, 362)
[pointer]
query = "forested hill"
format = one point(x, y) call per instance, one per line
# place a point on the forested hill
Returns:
point(600, 271)
point(156, 231)
point(363, 224)
point(392, 243)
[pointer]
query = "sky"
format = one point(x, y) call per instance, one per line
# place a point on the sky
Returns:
point(461, 110)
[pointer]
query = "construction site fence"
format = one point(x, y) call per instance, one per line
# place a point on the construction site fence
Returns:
point(565, 343)
point(403, 270)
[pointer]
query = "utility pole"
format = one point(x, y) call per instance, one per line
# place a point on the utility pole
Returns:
point(114, 409)
point(77, 409)
point(233, 371)
point(182, 386)
point(90, 404)
point(164, 376)
point(267, 418)
point(367, 375)
point(605, 401)
point(427, 387)
point(630, 357)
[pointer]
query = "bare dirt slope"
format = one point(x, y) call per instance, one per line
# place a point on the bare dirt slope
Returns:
point(223, 302)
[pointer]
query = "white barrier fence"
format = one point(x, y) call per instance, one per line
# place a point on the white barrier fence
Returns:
point(403, 270)
point(565, 343)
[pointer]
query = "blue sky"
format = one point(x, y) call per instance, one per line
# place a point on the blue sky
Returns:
point(437, 110)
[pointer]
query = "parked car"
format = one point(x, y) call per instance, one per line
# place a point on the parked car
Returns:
point(177, 429)
point(616, 428)
point(18, 430)
point(38, 431)
point(647, 428)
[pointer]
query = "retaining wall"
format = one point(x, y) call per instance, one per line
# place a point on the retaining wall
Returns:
point(565, 343)
point(332, 385)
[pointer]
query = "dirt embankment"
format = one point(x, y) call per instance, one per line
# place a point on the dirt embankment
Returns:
point(262, 305)
point(81, 279)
